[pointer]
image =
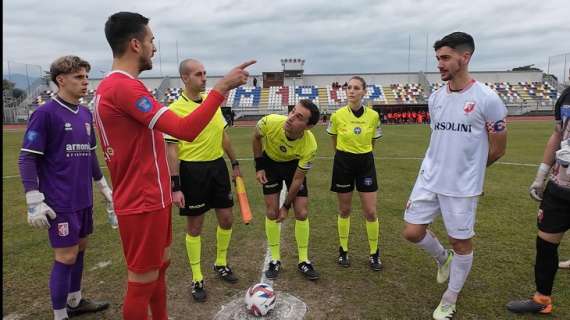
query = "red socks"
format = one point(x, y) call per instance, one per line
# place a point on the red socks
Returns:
point(158, 298)
point(137, 300)
point(141, 295)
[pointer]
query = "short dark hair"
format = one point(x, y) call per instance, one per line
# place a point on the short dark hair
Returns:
point(66, 65)
point(361, 79)
point(315, 113)
point(121, 27)
point(459, 41)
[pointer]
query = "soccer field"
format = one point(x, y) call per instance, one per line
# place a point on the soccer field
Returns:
point(405, 289)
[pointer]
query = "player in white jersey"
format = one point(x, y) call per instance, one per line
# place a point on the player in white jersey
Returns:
point(468, 135)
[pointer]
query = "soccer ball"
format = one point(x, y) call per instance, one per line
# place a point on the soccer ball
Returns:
point(259, 299)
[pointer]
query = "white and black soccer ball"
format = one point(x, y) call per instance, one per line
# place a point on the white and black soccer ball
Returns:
point(259, 299)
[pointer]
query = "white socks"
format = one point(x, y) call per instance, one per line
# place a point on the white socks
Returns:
point(430, 244)
point(73, 299)
point(60, 314)
point(460, 268)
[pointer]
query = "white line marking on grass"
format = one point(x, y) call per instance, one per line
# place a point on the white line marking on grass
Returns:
point(377, 158)
point(288, 307)
point(100, 265)
point(14, 316)
point(16, 176)
point(415, 159)
point(517, 164)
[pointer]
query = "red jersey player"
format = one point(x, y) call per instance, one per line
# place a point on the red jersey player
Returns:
point(130, 123)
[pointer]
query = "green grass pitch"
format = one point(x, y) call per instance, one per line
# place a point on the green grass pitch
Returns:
point(405, 289)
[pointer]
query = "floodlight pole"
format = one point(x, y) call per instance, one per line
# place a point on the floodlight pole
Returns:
point(159, 58)
point(409, 54)
point(28, 79)
point(177, 60)
point(565, 56)
point(9, 73)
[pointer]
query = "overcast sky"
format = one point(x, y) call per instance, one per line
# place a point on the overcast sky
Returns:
point(332, 36)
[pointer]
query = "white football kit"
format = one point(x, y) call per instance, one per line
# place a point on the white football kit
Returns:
point(453, 170)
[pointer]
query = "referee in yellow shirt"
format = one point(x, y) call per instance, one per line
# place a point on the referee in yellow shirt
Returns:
point(354, 128)
point(200, 179)
point(284, 150)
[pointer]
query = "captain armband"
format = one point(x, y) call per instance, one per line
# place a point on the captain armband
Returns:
point(497, 126)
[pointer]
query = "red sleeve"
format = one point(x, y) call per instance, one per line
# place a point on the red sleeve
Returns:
point(189, 127)
point(134, 99)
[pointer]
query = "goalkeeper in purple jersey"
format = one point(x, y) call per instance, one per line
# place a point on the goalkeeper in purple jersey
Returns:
point(57, 162)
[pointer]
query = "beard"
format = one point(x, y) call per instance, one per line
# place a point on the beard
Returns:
point(451, 72)
point(144, 64)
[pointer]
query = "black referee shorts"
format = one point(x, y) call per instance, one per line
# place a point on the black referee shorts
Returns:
point(554, 213)
point(206, 185)
point(351, 169)
point(277, 172)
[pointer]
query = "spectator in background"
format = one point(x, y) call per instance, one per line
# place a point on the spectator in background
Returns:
point(255, 82)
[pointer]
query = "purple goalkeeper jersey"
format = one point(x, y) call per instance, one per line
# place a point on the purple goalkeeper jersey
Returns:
point(63, 137)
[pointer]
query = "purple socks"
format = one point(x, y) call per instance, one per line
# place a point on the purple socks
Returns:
point(59, 283)
point(77, 273)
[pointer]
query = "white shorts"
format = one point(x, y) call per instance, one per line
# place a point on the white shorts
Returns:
point(458, 212)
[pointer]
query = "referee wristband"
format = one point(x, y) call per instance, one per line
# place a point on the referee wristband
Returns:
point(176, 185)
point(235, 163)
point(259, 163)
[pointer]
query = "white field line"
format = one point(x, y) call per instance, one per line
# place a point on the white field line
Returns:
point(377, 158)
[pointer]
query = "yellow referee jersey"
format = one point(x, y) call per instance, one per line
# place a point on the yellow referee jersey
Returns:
point(354, 134)
point(208, 145)
point(280, 149)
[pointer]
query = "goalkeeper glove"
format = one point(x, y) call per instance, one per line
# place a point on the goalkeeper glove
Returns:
point(537, 187)
point(38, 210)
point(105, 189)
point(111, 216)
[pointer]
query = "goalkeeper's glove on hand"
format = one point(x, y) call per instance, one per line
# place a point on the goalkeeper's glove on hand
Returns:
point(537, 187)
point(38, 210)
point(105, 189)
